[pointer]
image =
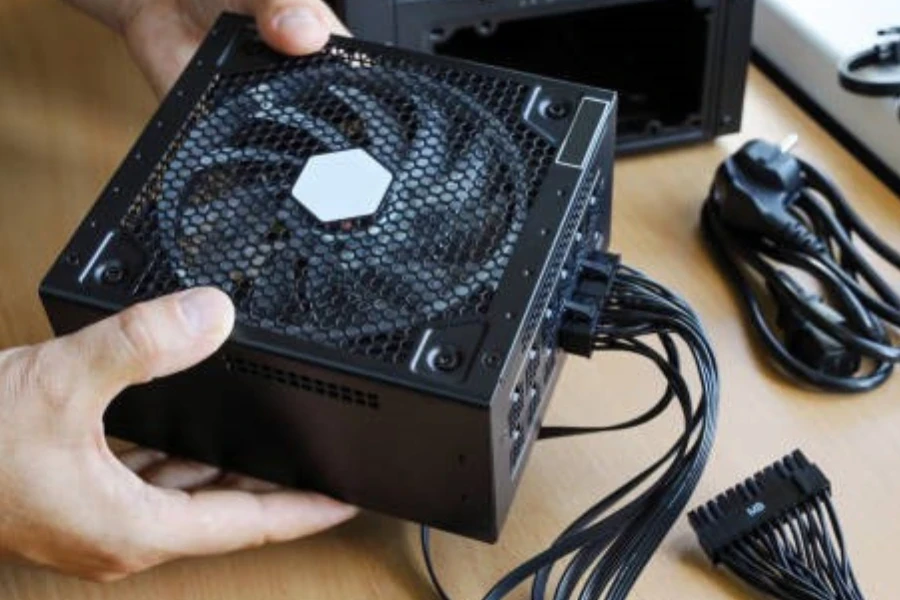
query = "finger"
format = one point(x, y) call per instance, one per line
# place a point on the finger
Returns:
point(149, 340)
point(295, 26)
point(162, 43)
point(216, 522)
point(179, 474)
point(139, 459)
point(243, 483)
point(335, 25)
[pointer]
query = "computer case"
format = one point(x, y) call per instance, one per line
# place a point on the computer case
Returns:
point(679, 66)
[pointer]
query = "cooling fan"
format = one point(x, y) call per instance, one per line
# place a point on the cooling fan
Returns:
point(443, 233)
point(400, 234)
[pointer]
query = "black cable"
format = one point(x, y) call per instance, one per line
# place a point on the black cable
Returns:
point(883, 54)
point(606, 548)
point(769, 211)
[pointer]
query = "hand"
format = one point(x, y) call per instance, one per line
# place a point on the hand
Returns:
point(67, 502)
point(163, 35)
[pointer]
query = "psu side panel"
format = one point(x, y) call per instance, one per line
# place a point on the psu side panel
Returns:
point(382, 447)
point(528, 385)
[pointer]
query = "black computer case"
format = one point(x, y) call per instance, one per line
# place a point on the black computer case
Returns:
point(679, 66)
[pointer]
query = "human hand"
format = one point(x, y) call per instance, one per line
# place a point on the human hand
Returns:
point(68, 503)
point(163, 35)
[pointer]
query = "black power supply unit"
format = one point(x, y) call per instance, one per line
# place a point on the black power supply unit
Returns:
point(401, 235)
point(679, 66)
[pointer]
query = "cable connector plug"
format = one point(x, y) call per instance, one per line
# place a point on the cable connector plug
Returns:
point(806, 341)
point(581, 312)
point(760, 500)
point(779, 532)
point(754, 190)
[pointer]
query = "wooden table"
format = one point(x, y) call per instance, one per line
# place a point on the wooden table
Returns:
point(70, 105)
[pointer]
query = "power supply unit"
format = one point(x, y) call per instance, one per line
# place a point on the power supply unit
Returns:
point(679, 66)
point(401, 235)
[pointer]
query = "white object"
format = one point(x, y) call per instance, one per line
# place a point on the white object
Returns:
point(807, 39)
point(341, 186)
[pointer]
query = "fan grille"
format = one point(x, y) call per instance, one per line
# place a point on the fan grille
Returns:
point(218, 208)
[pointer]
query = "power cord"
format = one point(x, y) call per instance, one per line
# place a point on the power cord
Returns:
point(884, 54)
point(606, 548)
point(769, 210)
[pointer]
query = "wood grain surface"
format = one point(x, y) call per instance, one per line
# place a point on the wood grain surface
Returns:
point(71, 103)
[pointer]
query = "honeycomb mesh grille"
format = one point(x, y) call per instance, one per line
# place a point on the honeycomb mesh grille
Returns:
point(218, 208)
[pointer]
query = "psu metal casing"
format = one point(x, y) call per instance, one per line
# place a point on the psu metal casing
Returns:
point(679, 66)
point(400, 361)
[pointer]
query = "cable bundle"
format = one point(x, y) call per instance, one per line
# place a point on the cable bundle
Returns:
point(779, 532)
point(603, 551)
point(769, 210)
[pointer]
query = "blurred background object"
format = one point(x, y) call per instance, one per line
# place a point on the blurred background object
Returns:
point(802, 42)
point(72, 104)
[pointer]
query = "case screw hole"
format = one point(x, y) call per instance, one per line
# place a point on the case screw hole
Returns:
point(486, 28)
point(492, 360)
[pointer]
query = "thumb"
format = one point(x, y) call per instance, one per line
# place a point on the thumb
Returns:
point(296, 26)
point(148, 340)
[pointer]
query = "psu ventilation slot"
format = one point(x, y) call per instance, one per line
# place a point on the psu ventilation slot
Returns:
point(525, 399)
point(327, 389)
point(591, 182)
point(542, 325)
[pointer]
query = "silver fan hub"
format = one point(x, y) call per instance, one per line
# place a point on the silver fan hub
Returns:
point(342, 186)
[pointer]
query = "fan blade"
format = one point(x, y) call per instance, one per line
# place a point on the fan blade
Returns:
point(380, 119)
point(346, 288)
point(220, 227)
point(275, 289)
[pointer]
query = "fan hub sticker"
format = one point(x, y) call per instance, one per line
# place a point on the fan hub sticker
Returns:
point(342, 186)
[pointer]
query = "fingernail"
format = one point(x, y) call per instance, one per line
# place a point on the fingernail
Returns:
point(300, 22)
point(202, 310)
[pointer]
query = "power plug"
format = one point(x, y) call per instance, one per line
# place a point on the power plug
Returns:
point(754, 190)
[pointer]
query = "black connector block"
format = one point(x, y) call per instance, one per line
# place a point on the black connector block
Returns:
point(818, 350)
point(760, 500)
point(807, 342)
point(581, 312)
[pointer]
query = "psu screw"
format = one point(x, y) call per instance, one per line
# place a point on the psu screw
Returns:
point(445, 358)
point(556, 110)
point(112, 274)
